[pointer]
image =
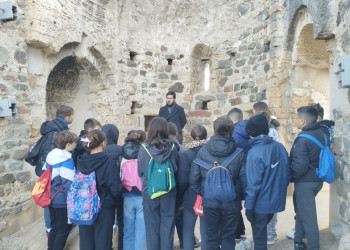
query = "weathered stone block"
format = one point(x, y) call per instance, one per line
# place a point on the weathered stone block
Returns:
point(342, 189)
point(163, 48)
point(262, 57)
point(149, 53)
point(222, 81)
point(15, 165)
point(131, 63)
point(20, 56)
point(178, 87)
point(225, 64)
point(338, 146)
point(260, 96)
point(27, 204)
point(346, 41)
point(228, 88)
point(342, 208)
point(237, 87)
point(168, 68)
point(4, 156)
point(30, 185)
point(143, 72)
point(264, 15)
point(2, 191)
point(199, 113)
point(240, 63)
point(344, 243)
point(7, 178)
point(198, 105)
point(221, 96)
point(153, 85)
point(257, 29)
point(186, 105)
point(339, 228)
point(2, 225)
point(160, 100)
point(20, 152)
point(228, 72)
point(235, 101)
point(9, 143)
point(144, 84)
point(266, 67)
point(12, 210)
point(205, 98)
point(163, 76)
point(174, 77)
point(243, 9)
point(23, 176)
point(4, 55)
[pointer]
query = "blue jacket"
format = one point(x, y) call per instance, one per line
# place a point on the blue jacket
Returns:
point(241, 136)
point(304, 155)
point(62, 175)
point(218, 149)
point(267, 176)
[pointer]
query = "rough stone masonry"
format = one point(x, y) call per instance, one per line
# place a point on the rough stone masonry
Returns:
point(115, 61)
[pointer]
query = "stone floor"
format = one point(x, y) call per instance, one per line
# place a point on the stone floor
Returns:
point(33, 236)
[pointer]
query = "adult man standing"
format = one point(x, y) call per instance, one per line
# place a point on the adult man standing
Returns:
point(304, 158)
point(172, 112)
point(49, 130)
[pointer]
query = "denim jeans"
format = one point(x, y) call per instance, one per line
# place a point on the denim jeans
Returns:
point(47, 218)
point(134, 224)
point(259, 223)
point(271, 226)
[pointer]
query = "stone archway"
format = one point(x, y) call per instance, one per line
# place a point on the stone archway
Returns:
point(70, 82)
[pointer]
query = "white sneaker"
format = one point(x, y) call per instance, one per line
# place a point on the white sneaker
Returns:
point(246, 243)
point(240, 246)
point(115, 227)
point(270, 240)
point(290, 234)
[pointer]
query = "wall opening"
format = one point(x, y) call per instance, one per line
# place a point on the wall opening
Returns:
point(133, 55)
point(133, 107)
point(200, 68)
point(68, 83)
point(148, 120)
point(205, 105)
point(170, 61)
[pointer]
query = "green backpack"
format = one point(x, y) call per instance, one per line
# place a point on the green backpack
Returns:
point(161, 179)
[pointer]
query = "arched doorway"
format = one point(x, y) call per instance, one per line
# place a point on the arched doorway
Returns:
point(69, 83)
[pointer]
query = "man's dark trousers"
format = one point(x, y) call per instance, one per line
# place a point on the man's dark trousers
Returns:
point(306, 215)
point(259, 223)
point(217, 219)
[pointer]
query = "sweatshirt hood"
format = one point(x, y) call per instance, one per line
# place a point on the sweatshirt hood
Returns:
point(160, 153)
point(240, 129)
point(90, 162)
point(220, 147)
point(131, 150)
point(57, 124)
point(326, 123)
point(112, 133)
point(261, 139)
point(57, 156)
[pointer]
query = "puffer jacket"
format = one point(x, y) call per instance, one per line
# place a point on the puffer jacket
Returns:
point(241, 136)
point(304, 155)
point(49, 130)
point(113, 150)
point(267, 176)
point(186, 159)
point(160, 154)
point(62, 175)
point(218, 149)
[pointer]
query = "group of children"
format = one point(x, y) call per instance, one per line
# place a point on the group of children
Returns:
point(246, 151)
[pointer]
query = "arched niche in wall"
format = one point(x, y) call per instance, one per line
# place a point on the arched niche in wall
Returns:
point(69, 83)
point(200, 68)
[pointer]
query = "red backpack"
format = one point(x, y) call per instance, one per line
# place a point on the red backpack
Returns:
point(41, 192)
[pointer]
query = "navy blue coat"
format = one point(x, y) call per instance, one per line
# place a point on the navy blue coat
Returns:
point(267, 176)
point(183, 177)
point(177, 116)
point(241, 136)
point(304, 155)
point(218, 149)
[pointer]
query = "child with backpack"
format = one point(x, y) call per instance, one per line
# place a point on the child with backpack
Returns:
point(62, 174)
point(198, 140)
point(108, 185)
point(157, 162)
point(134, 224)
point(218, 175)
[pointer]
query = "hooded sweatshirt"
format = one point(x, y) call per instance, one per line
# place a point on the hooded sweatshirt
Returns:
point(112, 149)
point(241, 136)
point(62, 175)
point(160, 154)
point(107, 178)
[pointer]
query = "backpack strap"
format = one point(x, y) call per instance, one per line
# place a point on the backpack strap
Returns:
point(144, 146)
point(314, 139)
point(202, 163)
point(231, 157)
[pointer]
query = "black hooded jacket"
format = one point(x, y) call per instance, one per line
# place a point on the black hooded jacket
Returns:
point(160, 154)
point(218, 149)
point(113, 150)
point(49, 130)
point(79, 149)
point(107, 178)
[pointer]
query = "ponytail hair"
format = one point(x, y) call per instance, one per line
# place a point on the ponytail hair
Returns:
point(136, 136)
point(93, 139)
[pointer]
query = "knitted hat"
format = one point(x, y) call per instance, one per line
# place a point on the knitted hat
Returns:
point(257, 125)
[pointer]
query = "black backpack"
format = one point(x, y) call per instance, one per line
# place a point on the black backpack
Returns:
point(34, 153)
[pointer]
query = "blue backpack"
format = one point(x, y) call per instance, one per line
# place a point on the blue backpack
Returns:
point(326, 167)
point(219, 187)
